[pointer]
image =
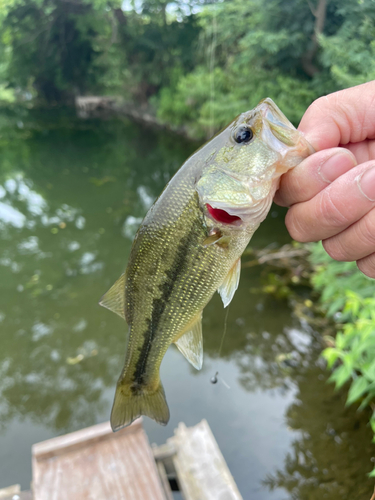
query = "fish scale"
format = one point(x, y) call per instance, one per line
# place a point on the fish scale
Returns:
point(185, 250)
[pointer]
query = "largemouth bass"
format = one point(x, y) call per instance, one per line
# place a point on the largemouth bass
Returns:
point(189, 245)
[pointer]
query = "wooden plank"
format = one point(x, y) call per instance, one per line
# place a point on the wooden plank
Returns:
point(201, 469)
point(96, 464)
point(25, 495)
point(164, 450)
point(10, 491)
point(164, 480)
point(22, 495)
point(75, 440)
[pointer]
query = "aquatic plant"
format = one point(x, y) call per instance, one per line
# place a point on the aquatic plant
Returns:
point(348, 297)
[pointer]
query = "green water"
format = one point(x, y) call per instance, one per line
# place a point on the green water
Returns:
point(71, 196)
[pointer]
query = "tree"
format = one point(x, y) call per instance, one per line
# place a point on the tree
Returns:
point(291, 51)
point(53, 45)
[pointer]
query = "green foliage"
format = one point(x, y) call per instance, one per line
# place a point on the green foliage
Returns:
point(249, 50)
point(236, 70)
point(348, 297)
point(155, 53)
point(7, 95)
point(62, 48)
point(198, 62)
point(349, 55)
point(53, 45)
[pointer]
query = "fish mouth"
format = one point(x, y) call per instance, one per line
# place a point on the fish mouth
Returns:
point(240, 215)
point(273, 114)
point(278, 132)
point(220, 215)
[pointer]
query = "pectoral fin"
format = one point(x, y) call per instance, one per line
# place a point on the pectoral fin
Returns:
point(230, 284)
point(114, 299)
point(212, 238)
point(216, 238)
point(190, 344)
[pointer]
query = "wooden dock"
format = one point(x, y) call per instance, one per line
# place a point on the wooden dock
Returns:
point(193, 459)
point(96, 464)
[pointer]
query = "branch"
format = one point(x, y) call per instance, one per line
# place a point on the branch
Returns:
point(313, 11)
point(320, 17)
point(286, 252)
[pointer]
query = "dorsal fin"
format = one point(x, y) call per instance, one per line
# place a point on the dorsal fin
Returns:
point(190, 344)
point(230, 284)
point(114, 299)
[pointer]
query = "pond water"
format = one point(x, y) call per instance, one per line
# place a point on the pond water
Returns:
point(72, 194)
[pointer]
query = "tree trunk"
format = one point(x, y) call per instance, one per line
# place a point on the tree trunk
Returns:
point(308, 58)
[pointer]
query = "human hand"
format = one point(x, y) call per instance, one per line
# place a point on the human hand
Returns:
point(332, 192)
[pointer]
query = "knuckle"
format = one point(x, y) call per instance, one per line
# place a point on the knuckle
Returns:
point(329, 211)
point(365, 232)
point(302, 186)
point(367, 266)
point(319, 104)
point(336, 249)
point(290, 191)
point(282, 194)
point(296, 228)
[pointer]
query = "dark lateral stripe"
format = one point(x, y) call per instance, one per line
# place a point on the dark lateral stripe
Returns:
point(178, 267)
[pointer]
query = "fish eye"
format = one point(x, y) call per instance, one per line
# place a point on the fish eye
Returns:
point(243, 134)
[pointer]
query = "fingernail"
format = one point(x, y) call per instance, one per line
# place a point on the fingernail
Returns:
point(335, 166)
point(366, 183)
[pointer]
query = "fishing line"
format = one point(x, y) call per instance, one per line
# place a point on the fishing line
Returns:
point(212, 54)
point(224, 331)
point(212, 74)
point(215, 378)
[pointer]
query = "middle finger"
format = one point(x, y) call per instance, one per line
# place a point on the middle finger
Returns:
point(336, 207)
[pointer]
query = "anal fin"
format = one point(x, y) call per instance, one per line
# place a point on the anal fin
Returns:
point(230, 284)
point(114, 299)
point(190, 344)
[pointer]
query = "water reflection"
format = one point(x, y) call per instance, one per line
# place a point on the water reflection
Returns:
point(71, 198)
point(61, 215)
point(333, 453)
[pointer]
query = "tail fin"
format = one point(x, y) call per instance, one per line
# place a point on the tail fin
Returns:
point(128, 406)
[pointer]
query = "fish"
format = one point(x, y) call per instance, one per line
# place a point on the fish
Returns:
point(189, 246)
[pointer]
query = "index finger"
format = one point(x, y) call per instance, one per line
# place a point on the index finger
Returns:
point(344, 117)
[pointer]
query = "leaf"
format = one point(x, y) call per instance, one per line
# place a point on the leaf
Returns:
point(336, 306)
point(331, 355)
point(357, 389)
point(370, 371)
point(340, 341)
point(365, 401)
point(341, 375)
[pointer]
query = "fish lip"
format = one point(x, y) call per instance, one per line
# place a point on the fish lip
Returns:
point(268, 106)
point(274, 121)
